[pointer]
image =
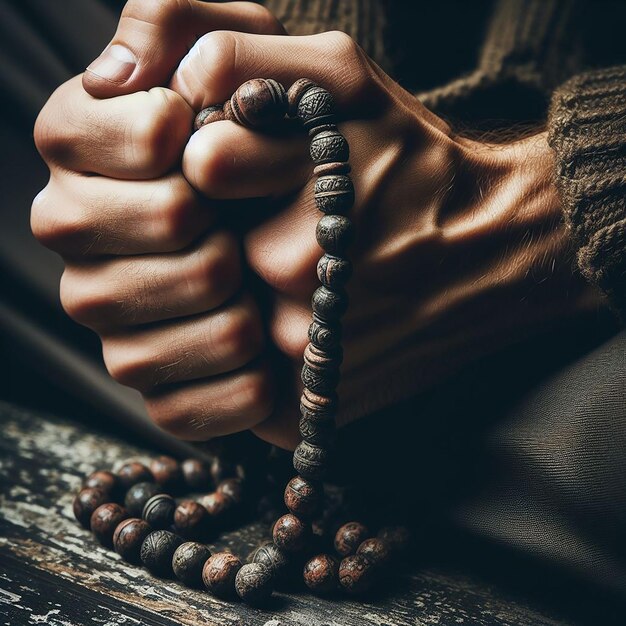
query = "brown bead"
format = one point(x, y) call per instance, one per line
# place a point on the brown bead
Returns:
point(105, 481)
point(316, 108)
point(167, 473)
point(254, 583)
point(219, 572)
point(259, 102)
point(214, 113)
point(87, 500)
point(157, 551)
point(334, 234)
point(397, 538)
point(349, 537)
point(197, 474)
point(188, 562)
point(356, 574)
point(129, 536)
point(138, 495)
point(104, 521)
point(272, 557)
point(221, 469)
point(191, 520)
point(329, 146)
point(303, 497)
point(159, 511)
point(311, 461)
point(321, 574)
point(375, 551)
point(337, 167)
point(134, 472)
point(232, 488)
point(218, 505)
point(295, 92)
point(290, 533)
point(317, 407)
point(320, 372)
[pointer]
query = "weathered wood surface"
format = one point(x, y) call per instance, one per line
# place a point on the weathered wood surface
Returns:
point(53, 572)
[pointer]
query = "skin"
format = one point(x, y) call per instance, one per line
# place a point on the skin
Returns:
point(460, 250)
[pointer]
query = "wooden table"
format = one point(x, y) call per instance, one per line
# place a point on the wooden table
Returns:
point(53, 572)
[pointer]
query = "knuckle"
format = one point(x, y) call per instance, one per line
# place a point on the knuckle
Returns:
point(175, 207)
point(79, 300)
point(265, 21)
point(254, 396)
point(242, 335)
point(169, 413)
point(41, 223)
point(125, 365)
point(161, 12)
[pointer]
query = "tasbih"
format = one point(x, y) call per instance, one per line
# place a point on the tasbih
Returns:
point(163, 535)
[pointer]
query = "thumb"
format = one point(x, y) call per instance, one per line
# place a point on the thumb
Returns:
point(154, 35)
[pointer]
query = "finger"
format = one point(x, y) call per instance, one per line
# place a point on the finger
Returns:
point(91, 215)
point(214, 407)
point(187, 349)
point(225, 160)
point(154, 35)
point(127, 291)
point(221, 61)
point(138, 136)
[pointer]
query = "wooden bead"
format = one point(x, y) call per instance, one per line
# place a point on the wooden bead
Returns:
point(397, 538)
point(303, 497)
point(191, 520)
point(159, 511)
point(218, 505)
point(316, 107)
point(336, 167)
point(375, 551)
point(254, 583)
point(318, 433)
point(197, 474)
point(328, 303)
point(87, 500)
point(134, 472)
point(213, 113)
point(311, 461)
point(106, 481)
point(138, 495)
point(334, 233)
point(259, 102)
point(295, 92)
point(290, 533)
point(334, 193)
point(129, 536)
point(104, 521)
point(273, 558)
point(356, 574)
point(232, 488)
point(157, 551)
point(329, 146)
point(321, 574)
point(349, 537)
point(319, 381)
point(167, 473)
point(221, 469)
point(188, 562)
point(324, 334)
point(333, 272)
point(219, 572)
point(316, 407)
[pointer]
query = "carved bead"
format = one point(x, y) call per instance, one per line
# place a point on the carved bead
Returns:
point(159, 511)
point(259, 102)
point(316, 107)
point(319, 380)
point(356, 574)
point(104, 521)
point(87, 500)
point(321, 574)
point(397, 538)
point(328, 303)
point(191, 520)
point(316, 432)
point(138, 495)
point(311, 461)
point(188, 562)
point(134, 472)
point(107, 482)
point(217, 504)
point(273, 558)
point(334, 193)
point(167, 473)
point(253, 583)
point(290, 533)
point(157, 551)
point(334, 233)
point(213, 113)
point(232, 488)
point(128, 537)
point(219, 572)
point(333, 272)
point(197, 474)
point(349, 537)
point(316, 407)
point(321, 358)
point(323, 334)
point(329, 146)
point(295, 92)
point(303, 497)
point(375, 551)
point(336, 167)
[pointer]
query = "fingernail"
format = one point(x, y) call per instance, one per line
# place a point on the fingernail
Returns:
point(115, 64)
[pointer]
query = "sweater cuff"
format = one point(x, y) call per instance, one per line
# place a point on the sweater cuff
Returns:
point(587, 131)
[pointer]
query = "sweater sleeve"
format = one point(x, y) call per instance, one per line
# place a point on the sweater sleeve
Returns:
point(587, 131)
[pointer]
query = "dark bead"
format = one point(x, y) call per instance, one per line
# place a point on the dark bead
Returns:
point(311, 461)
point(159, 511)
point(221, 469)
point(213, 113)
point(316, 107)
point(349, 537)
point(104, 521)
point(333, 272)
point(321, 574)
point(259, 102)
point(324, 335)
point(191, 520)
point(329, 304)
point(329, 146)
point(273, 558)
point(138, 495)
point(334, 233)
point(334, 193)
point(87, 500)
point(290, 533)
point(232, 488)
point(375, 551)
point(134, 472)
point(157, 551)
point(397, 538)
point(303, 497)
point(107, 482)
point(336, 167)
point(318, 433)
point(219, 572)
point(295, 92)
point(167, 473)
point(129, 536)
point(356, 574)
point(197, 474)
point(254, 583)
point(319, 381)
point(188, 562)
